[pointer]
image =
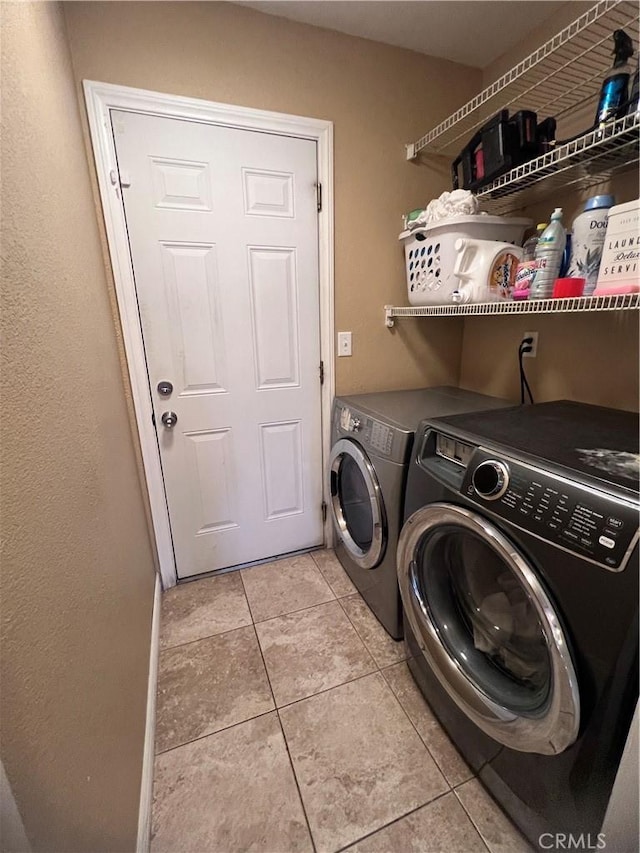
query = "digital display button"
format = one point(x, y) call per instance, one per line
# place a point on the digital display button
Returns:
point(615, 523)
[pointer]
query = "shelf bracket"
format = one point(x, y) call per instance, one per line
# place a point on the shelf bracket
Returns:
point(411, 151)
point(388, 317)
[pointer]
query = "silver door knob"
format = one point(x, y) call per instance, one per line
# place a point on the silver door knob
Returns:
point(169, 419)
point(165, 388)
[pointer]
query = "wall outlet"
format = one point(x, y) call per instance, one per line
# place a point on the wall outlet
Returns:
point(534, 345)
point(344, 343)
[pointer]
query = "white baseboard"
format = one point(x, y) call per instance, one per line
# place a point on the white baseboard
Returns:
point(146, 787)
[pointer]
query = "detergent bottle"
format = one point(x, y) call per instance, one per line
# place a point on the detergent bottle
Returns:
point(549, 252)
point(485, 269)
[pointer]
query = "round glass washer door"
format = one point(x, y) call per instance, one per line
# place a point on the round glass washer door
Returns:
point(487, 629)
point(356, 504)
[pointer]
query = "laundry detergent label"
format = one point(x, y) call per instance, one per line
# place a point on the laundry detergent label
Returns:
point(502, 277)
point(524, 275)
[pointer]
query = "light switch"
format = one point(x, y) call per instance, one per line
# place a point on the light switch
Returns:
point(344, 343)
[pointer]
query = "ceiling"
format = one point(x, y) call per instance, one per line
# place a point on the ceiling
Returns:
point(473, 32)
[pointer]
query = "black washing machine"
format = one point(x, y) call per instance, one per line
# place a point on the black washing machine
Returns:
point(371, 440)
point(518, 570)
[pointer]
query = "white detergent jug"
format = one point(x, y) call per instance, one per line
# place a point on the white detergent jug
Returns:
point(485, 269)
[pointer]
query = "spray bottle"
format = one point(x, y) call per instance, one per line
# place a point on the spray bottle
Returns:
point(614, 92)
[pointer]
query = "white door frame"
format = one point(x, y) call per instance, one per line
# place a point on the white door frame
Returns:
point(102, 97)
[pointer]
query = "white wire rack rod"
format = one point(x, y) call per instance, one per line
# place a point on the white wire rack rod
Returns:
point(573, 305)
point(563, 37)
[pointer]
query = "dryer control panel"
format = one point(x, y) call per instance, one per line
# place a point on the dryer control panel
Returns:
point(597, 526)
point(374, 436)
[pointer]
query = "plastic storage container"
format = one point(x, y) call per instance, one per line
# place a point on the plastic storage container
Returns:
point(485, 269)
point(430, 253)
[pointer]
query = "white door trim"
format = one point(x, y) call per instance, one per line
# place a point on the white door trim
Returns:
point(102, 97)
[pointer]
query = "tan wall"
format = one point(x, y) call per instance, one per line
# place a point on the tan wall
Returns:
point(591, 358)
point(77, 571)
point(379, 98)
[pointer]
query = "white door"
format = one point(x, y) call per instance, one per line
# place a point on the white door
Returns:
point(223, 231)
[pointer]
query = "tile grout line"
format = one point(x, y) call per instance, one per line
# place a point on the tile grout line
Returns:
point(275, 708)
point(346, 594)
point(261, 621)
point(206, 637)
point(470, 816)
point(295, 779)
point(217, 732)
point(426, 745)
point(355, 628)
point(378, 668)
point(286, 744)
point(395, 820)
point(299, 610)
point(351, 681)
point(244, 589)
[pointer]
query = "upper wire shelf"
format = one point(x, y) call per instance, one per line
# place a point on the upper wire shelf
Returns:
point(577, 304)
point(583, 162)
point(554, 80)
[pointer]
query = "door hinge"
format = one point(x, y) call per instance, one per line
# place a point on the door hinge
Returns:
point(322, 372)
point(319, 196)
point(324, 511)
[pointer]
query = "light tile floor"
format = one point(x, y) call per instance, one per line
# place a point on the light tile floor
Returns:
point(288, 720)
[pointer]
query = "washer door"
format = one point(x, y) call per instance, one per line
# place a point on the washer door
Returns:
point(356, 504)
point(487, 629)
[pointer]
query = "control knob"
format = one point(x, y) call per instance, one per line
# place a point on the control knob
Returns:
point(491, 479)
point(355, 424)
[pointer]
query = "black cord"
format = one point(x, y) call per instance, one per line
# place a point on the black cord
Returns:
point(525, 346)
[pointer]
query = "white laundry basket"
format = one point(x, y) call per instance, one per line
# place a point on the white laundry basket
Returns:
point(430, 252)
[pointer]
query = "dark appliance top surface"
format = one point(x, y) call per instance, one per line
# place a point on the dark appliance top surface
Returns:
point(404, 409)
point(598, 443)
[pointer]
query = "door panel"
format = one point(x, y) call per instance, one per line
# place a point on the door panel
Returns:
point(223, 232)
point(356, 504)
point(488, 629)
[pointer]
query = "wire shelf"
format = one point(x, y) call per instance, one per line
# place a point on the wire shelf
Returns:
point(573, 305)
point(583, 162)
point(556, 79)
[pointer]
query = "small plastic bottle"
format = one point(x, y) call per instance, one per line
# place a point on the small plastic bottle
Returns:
point(529, 245)
point(548, 257)
point(527, 267)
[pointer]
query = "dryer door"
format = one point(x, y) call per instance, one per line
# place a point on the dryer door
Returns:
point(488, 629)
point(356, 503)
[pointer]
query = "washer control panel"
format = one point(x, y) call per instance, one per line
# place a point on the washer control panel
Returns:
point(575, 517)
